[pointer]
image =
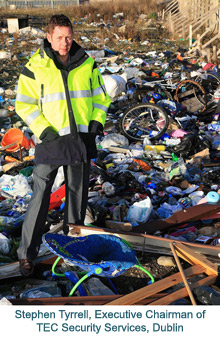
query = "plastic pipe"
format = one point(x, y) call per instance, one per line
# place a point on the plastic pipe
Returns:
point(147, 272)
point(53, 268)
point(73, 278)
point(79, 282)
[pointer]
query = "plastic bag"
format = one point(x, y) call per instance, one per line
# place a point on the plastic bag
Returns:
point(4, 244)
point(174, 190)
point(207, 295)
point(191, 144)
point(14, 186)
point(45, 290)
point(114, 140)
point(166, 210)
point(177, 168)
point(115, 84)
point(171, 106)
point(58, 180)
point(140, 211)
point(196, 197)
point(108, 188)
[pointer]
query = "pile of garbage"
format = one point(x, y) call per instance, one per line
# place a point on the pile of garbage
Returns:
point(131, 182)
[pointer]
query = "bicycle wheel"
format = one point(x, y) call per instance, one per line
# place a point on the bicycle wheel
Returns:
point(144, 120)
point(210, 83)
point(192, 95)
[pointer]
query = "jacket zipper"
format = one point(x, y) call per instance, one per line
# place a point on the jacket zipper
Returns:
point(73, 131)
point(101, 86)
point(41, 97)
point(64, 74)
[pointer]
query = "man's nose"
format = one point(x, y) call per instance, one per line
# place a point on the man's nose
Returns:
point(64, 41)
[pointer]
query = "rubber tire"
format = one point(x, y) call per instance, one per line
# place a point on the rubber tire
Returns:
point(137, 107)
point(189, 81)
point(217, 78)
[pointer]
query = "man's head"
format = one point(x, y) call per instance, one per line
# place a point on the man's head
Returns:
point(60, 34)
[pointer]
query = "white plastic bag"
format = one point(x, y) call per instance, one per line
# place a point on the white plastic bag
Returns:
point(140, 211)
point(14, 186)
point(114, 140)
point(96, 53)
point(58, 180)
point(115, 84)
point(5, 55)
point(4, 244)
point(196, 197)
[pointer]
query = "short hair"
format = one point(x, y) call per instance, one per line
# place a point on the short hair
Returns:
point(58, 20)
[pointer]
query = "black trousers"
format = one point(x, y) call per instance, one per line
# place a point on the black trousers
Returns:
point(76, 196)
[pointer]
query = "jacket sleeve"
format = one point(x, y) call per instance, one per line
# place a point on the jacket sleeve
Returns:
point(101, 102)
point(28, 102)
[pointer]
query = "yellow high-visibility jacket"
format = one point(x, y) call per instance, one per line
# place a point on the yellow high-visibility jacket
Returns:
point(50, 95)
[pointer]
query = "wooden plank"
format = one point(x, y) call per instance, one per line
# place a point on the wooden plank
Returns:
point(176, 17)
point(123, 226)
point(12, 269)
point(211, 40)
point(195, 258)
point(214, 54)
point(171, 5)
point(117, 149)
point(190, 35)
point(187, 12)
point(205, 32)
point(198, 44)
point(183, 275)
point(140, 294)
point(201, 21)
point(81, 300)
point(56, 228)
point(192, 105)
point(182, 17)
point(193, 213)
point(185, 22)
point(181, 293)
point(186, 93)
point(8, 146)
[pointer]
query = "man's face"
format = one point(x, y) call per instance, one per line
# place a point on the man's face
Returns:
point(61, 39)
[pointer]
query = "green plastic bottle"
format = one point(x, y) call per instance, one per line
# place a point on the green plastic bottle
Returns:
point(27, 171)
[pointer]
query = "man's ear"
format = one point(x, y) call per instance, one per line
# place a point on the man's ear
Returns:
point(49, 37)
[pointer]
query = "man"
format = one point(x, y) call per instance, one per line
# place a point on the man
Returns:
point(62, 98)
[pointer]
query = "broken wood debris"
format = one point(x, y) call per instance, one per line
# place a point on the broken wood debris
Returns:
point(200, 265)
point(182, 274)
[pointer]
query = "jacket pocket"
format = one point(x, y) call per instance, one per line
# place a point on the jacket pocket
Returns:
point(64, 150)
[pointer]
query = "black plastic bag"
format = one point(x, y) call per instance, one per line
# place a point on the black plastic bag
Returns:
point(207, 295)
point(191, 144)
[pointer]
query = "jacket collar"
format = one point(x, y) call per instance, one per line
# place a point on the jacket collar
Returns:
point(76, 54)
